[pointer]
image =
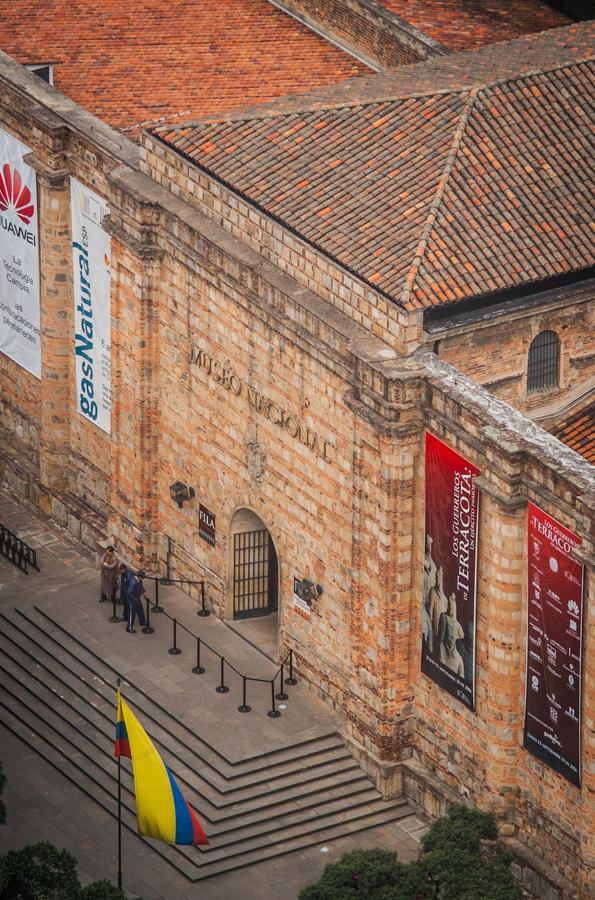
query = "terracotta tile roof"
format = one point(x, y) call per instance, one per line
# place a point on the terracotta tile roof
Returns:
point(460, 25)
point(135, 61)
point(578, 431)
point(464, 176)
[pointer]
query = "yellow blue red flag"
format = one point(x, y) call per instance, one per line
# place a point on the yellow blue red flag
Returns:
point(161, 810)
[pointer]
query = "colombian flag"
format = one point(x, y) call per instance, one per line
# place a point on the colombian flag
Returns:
point(161, 810)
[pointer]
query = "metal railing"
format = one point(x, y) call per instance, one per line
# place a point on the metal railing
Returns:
point(201, 645)
point(17, 551)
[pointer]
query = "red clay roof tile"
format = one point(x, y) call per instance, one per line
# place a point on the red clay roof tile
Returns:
point(140, 60)
point(452, 172)
point(461, 25)
point(578, 431)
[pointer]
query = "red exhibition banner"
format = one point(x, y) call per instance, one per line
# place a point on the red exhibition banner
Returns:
point(450, 571)
point(554, 642)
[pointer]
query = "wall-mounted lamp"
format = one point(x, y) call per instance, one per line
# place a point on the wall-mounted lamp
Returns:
point(180, 492)
point(306, 590)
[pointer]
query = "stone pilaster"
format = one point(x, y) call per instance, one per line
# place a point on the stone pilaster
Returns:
point(500, 643)
point(56, 320)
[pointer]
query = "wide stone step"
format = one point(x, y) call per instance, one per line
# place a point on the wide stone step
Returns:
point(98, 728)
point(198, 863)
point(86, 665)
point(97, 762)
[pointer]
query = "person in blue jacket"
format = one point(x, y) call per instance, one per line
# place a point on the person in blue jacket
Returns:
point(126, 578)
point(135, 594)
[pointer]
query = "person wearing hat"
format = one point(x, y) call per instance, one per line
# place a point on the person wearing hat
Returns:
point(109, 574)
point(136, 591)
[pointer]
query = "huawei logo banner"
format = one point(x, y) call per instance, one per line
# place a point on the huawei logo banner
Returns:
point(16, 194)
point(20, 337)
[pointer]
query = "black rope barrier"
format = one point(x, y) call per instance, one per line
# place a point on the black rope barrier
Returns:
point(199, 668)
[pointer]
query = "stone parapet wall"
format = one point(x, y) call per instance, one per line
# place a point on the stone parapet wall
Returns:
point(494, 350)
point(290, 254)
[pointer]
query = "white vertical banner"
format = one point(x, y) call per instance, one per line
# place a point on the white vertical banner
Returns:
point(19, 257)
point(92, 318)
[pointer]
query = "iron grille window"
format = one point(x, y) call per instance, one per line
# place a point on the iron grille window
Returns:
point(544, 361)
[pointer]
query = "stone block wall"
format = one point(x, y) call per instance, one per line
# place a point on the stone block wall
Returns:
point(350, 295)
point(495, 353)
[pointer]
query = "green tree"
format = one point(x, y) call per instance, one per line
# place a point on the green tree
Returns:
point(101, 890)
point(42, 872)
point(373, 874)
point(458, 863)
point(38, 872)
point(460, 859)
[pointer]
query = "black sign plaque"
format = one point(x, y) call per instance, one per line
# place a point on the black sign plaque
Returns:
point(206, 525)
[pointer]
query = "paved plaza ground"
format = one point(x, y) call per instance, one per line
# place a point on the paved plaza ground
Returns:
point(43, 804)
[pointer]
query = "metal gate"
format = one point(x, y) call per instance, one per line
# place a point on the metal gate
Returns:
point(254, 574)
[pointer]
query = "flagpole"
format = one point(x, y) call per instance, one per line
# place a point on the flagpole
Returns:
point(119, 817)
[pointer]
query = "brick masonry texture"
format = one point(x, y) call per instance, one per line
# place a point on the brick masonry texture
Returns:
point(495, 352)
point(135, 62)
point(193, 265)
point(368, 25)
point(460, 25)
point(505, 164)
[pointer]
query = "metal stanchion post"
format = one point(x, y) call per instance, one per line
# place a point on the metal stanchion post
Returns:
point(114, 617)
point(282, 695)
point(175, 650)
point(156, 607)
point(198, 669)
point(203, 611)
point(291, 680)
point(244, 707)
point(273, 712)
point(147, 628)
point(222, 688)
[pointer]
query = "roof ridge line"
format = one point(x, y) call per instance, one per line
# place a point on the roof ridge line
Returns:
point(555, 67)
point(262, 114)
point(437, 201)
point(314, 105)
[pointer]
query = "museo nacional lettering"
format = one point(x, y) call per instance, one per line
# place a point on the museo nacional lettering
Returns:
point(294, 426)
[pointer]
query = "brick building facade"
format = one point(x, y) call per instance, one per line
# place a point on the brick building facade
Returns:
point(293, 393)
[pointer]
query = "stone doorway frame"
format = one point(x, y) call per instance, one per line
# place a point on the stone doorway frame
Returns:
point(252, 520)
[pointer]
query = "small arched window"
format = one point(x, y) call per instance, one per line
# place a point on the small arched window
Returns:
point(544, 361)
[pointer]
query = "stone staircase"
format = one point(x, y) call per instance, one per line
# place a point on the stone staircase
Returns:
point(58, 697)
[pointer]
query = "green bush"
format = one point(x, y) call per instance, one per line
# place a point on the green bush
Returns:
point(101, 890)
point(455, 863)
point(38, 872)
point(42, 872)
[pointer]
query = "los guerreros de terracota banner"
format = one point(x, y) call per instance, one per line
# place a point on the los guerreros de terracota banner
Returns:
point(450, 571)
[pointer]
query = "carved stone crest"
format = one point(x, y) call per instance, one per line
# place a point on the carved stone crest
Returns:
point(255, 460)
